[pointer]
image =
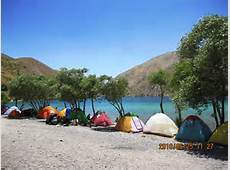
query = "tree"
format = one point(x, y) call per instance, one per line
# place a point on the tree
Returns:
point(114, 90)
point(37, 90)
point(175, 84)
point(70, 87)
point(206, 49)
point(159, 79)
point(89, 88)
point(4, 87)
point(4, 98)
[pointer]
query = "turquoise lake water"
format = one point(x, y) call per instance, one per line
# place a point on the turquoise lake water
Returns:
point(145, 107)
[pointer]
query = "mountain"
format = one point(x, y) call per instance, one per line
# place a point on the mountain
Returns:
point(137, 76)
point(10, 67)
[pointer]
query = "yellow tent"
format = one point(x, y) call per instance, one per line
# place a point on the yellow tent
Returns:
point(220, 135)
point(62, 113)
point(129, 124)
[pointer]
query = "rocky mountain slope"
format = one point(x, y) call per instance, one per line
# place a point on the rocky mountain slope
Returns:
point(10, 67)
point(138, 76)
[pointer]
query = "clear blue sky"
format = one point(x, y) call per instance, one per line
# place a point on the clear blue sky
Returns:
point(106, 36)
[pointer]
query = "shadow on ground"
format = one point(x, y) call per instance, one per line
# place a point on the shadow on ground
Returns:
point(218, 152)
point(104, 129)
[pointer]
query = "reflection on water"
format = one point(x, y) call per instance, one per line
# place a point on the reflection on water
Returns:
point(145, 107)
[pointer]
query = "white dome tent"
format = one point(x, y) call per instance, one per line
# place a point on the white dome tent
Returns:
point(161, 124)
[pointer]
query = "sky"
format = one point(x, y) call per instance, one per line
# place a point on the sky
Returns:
point(105, 36)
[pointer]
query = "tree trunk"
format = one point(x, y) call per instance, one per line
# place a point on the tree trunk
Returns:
point(179, 112)
point(161, 103)
point(222, 110)
point(84, 101)
point(78, 104)
point(92, 102)
point(218, 111)
point(75, 104)
point(16, 102)
point(122, 108)
point(214, 112)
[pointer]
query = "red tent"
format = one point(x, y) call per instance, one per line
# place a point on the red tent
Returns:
point(101, 120)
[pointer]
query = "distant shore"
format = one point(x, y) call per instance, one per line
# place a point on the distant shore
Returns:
point(30, 143)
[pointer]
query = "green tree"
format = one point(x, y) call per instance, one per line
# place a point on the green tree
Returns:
point(4, 98)
point(180, 70)
point(37, 90)
point(206, 49)
point(4, 87)
point(70, 87)
point(114, 90)
point(159, 79)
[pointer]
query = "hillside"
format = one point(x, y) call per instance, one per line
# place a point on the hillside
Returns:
point(137, 76)
point(10, 67)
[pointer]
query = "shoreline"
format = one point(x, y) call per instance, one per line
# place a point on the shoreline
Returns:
point(30, 143)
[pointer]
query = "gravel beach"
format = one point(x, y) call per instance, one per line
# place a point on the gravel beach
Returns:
point(31, 144)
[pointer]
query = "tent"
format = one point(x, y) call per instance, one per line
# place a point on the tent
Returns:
point(12, 109)
point(193, 129)
point(101, 120)
point(46, 111)
point(52, 119)
point(81, 117)
point(129, 124)
point(161, 124)
point(4, 108)
point(131, 114)
point(64, 112)
point(13, 112)
point(220, 135)
point(71, 115)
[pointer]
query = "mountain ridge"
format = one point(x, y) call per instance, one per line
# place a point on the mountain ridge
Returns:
point(11, 67)
point(137, 76)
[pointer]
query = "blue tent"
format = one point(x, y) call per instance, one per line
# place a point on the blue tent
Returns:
point(68, 113)
point(193, 129)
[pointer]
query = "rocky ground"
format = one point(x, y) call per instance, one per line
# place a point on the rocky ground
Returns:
point(31, 144)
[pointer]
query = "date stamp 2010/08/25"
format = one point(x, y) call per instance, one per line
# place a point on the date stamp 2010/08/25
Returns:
point(186, 146)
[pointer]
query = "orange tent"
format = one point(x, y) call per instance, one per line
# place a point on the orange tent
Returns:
point(14, 115)
point(46, 111)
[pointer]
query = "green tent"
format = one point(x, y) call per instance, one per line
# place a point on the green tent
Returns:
point(73, 115)
point(82, 117)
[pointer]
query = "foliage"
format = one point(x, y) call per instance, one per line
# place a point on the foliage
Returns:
point(4, 98)
point(204, 50)
point(69, 85)
point(159, 79)
point(4, 87)
point(37, 90)
point(114, 90)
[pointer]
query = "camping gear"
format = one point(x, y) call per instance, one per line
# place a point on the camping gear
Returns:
point(131, 114)
point(13, 113)
point(12, 109)
point(4, 108)
point(129, 124)
point(101, 120)
point(77, 114)
point(193, 129)
point(220, 135)
point(52, 119)
point(71, 115)
point(28, 112)
point(81, 117)
point(160, 124)
point(64, 112)
point(46, 111)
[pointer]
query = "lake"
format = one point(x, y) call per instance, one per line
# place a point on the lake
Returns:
point(145, 107)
